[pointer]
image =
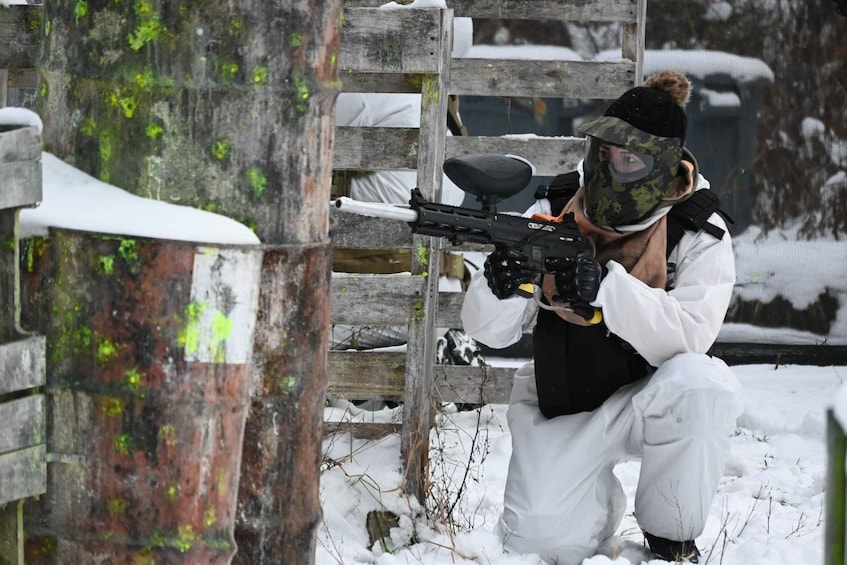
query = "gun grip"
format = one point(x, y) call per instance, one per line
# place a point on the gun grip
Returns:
point(526, 290)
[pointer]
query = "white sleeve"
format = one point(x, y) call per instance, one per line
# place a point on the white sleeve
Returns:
point(494, 322)
point(660, 324)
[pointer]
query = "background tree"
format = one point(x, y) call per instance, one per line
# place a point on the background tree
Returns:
point(801, 161)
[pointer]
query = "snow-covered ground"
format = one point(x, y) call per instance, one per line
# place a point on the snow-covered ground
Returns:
point(769, 508)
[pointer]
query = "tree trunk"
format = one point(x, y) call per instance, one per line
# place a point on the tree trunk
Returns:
point(227, 107)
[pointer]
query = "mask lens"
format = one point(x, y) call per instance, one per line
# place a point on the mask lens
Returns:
point(625, 165)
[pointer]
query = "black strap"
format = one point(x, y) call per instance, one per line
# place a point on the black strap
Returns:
point(693, 215)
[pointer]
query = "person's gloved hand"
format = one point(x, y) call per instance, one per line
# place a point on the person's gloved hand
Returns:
point(577, 280)
point(505, 270)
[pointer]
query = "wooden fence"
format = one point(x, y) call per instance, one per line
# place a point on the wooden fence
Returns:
point(23, 469)
point(403, 51)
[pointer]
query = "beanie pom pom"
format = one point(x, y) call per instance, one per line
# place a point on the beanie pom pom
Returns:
point(672, 82)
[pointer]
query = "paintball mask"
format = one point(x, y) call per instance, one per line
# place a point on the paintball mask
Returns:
point(627, 172)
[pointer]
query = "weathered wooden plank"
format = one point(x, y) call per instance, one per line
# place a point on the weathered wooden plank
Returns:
point(367, 374)
point(23, 78)
point(22, 364)
point(633, 39)
point(20, 167)
point(547, 79)
point(21, 184)
point(376, 299)
point(378, 41)
point(373, 149)
point(473, 385)
point(361, 430)
point(571, 10)
point(23, 423)
point(23, 473)
point(550, 155)
point(351, 230)
point(20, 144)
point(449, 309)
point(4, 80)
point(352, 81)
point(20, 36)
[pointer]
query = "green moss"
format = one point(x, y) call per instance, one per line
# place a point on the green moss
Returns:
point(167, 434)
point(220, 149)
point(154, 131)
point(301, 85)
point(430, 90)
point(135, 382)
point(257, 181)
point(227, 70)
point(128, 250)
point(172, 492)
point(260, 75)
point(80, 9)
point(296, 40)
point(89, 126)
point(34, 19)
point(105, 143)
point(209, 517)
point(123, 443)
point(106, 350)
point(149, 27)
point(185, 537)
point(112, 406)
point(144, 81)
point(106, 264)
point(221, 331)
point(236, 26)
point(422, 255)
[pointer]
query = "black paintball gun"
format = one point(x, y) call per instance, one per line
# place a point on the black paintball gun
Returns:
point(490, 178)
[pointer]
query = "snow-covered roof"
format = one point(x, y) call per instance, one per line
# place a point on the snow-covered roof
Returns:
point(700, 63)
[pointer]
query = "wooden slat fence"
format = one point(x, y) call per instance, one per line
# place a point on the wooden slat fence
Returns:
point(394, 51)
point(23, 468)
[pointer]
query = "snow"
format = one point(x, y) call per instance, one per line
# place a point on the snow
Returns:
point(769, 508)
point(72, 199)
point(21, 117)
point(700, 64)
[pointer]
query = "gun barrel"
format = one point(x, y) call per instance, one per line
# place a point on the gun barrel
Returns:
point(376, 210)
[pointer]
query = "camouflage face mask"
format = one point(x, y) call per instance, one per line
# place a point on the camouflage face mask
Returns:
point(627, 171)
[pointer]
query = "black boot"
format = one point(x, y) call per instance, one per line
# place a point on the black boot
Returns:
point(673, 551)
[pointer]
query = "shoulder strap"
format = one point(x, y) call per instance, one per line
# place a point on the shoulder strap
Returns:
point(559, 191)
point(693, 215)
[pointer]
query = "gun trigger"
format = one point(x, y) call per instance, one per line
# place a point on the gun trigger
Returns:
point(546, 218)
point(596, 318)
point(526, 290)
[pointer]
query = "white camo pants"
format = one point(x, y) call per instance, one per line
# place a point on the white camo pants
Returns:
point(562, 498)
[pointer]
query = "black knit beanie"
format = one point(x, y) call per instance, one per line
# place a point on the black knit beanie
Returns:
point(657, 107)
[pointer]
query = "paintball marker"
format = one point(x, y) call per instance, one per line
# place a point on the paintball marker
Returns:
point(490, 178)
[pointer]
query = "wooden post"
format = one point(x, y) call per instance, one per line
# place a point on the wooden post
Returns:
point(835, 524)
point(228, 107)
point(417, 406)
point(148, 349)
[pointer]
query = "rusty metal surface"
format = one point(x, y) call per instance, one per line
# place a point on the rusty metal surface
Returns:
point(144, 430)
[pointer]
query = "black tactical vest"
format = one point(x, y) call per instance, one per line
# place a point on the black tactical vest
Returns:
point(578, 367)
